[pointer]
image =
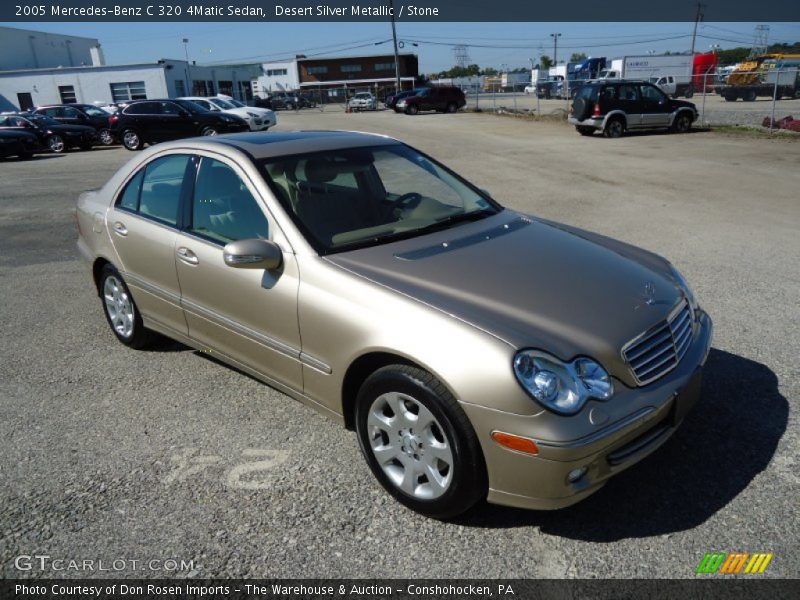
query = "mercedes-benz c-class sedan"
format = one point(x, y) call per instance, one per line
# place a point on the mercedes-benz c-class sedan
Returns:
point(478, 353)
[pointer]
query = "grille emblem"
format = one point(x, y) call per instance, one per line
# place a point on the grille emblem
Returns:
point(649, 295)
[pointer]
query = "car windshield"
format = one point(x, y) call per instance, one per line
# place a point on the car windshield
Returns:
point(93, 111)
point(220, 103)
point(192, 107)
point(353, 198)
point(238, 104)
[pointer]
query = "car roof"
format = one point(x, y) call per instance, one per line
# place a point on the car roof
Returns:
point(261, 145)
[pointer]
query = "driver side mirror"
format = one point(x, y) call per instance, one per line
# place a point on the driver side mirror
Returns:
point(253, 254)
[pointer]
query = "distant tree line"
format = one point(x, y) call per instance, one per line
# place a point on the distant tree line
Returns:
point(736, 55)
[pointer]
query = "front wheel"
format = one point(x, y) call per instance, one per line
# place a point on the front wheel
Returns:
point(106, 137)
point(412, 110)
point(452, 107)
point(418, 442)
point(209, 131)
point(121, 312)
point(682, 123)
point(131, 140)
point(56, 144)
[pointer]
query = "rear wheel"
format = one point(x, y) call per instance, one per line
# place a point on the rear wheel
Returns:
point(131, 140)
point(121, 312)
point(209, 131)
point(56, 144)
point(689, 92)
point(749, 96)
point(614, 128)
point(452, 107)
point(682, 123)
point(730, 97)
point(418, 442)
point(585, 130)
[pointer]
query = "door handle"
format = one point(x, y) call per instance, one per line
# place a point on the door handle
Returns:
point(120, 229)
point(187, 256)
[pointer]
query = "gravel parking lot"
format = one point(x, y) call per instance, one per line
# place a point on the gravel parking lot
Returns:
point(113, 454)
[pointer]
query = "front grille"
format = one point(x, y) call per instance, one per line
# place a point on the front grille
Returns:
point(659, 350)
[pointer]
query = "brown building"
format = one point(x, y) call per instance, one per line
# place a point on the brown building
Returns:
point(356, 73)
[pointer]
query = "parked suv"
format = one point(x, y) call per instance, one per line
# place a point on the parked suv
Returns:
point(80, 114)
point(615, 107)
point(441, 99)
point(149, 121)
point(53, 135)
point(285, 100)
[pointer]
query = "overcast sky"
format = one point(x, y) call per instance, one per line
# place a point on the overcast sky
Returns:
point(499, 45)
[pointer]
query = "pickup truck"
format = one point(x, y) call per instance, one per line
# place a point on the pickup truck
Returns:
point(673, 86)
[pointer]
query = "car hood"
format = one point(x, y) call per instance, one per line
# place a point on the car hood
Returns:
point(683, 103)
point(531, 283)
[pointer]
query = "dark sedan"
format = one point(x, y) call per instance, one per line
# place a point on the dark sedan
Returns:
point(17, 143)
point(149, 121)
point(80, 114)
point(55, 136)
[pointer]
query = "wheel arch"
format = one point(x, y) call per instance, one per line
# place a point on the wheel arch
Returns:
point(616, 114)
point(97, 269)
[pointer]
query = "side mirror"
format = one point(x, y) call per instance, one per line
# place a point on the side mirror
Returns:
point(253, 254)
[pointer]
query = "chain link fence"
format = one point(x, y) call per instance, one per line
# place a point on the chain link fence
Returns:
point(331, 99)
point(769, 99)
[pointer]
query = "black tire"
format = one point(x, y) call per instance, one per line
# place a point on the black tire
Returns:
point(412, 109)
point(56, 144)
point(682, 123)
point(289, 106)
point(467, 481)
point(138, 337)
point(730, 97)
point(615, 128)
point(689, 92)
point(749, 96)
point(452, 107)
point(105, 136)
point(131, 140)
point(585, 130)
point(208, 130)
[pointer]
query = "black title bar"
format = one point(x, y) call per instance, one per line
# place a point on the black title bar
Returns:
point(379, 10)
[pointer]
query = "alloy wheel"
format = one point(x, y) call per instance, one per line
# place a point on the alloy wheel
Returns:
point(131, 140)
point(410, 446)
point(118, 306)
point(56, 143)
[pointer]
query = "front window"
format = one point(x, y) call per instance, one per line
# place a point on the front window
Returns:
point(351, 198)
point(191, 106)
point(221, 104)
point(652, 94)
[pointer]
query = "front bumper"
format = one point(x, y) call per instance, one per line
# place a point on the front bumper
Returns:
point(540, 481)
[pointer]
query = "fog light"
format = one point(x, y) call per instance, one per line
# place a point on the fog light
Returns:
point(576, 474)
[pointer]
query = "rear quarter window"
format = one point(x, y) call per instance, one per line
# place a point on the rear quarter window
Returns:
point(588, 92)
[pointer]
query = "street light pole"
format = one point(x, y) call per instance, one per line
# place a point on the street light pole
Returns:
point(555, 37)
point(396, 54)
point(189, 88)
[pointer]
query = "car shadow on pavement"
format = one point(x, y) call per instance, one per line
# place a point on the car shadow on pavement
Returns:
point(722, 445)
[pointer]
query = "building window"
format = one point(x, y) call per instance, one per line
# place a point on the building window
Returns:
point(128, 90)
point(67, 93)
point(180, 88)
point(350, 68)
point(199, 88)
point(210, 85)
point(277, 72)
point(317, 70)
point(226, 87)
point(384, 66)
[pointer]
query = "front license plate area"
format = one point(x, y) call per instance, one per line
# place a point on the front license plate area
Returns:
point(686, 397)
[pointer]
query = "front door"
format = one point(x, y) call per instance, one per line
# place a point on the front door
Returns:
point(143, 228)
point(655, 107)
point(248, 314)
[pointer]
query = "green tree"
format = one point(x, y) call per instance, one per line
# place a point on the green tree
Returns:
point(545, 62)
point(577, 56)
point(489, 71)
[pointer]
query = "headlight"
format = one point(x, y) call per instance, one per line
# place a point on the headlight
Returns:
point(687, 289)
point(562, 387)
point(254, 115)
point(228, 119)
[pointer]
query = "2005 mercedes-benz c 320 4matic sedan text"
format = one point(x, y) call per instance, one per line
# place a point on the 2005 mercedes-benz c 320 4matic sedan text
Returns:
point(477, 352)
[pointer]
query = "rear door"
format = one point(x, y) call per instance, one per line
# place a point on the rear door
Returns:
point(143, 226)
point(655, 107)
point(629, 101)
point(248, 314)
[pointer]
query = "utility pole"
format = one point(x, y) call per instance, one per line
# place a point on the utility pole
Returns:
point(189, 89)
point(396, 55)
point(555, 37)
point(697, 18)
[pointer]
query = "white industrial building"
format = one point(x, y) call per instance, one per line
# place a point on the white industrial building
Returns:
point(166, 78)
point(26, 49)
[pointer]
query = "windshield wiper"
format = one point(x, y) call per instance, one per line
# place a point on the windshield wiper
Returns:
point(446, 222)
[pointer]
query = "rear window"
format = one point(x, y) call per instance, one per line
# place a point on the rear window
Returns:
point(588, 92)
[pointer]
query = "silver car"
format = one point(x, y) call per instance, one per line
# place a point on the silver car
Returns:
point(479, 353)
